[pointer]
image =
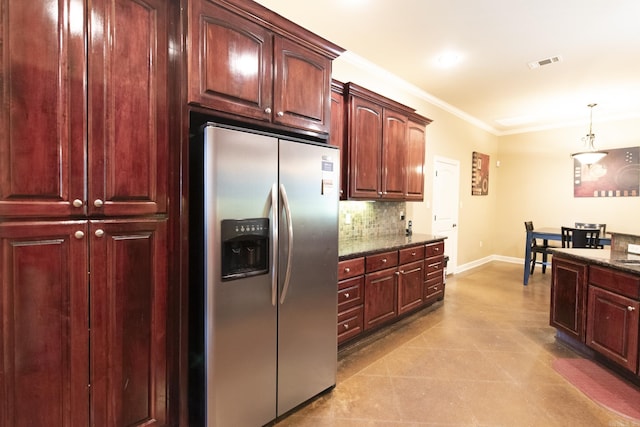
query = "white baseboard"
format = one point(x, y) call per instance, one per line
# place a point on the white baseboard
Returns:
point(485, 260)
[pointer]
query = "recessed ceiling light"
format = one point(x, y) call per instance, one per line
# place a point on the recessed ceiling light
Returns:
point(448, 59)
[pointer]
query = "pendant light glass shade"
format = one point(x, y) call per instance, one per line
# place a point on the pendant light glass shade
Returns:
point(591, 155)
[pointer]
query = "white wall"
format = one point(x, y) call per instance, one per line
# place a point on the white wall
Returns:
point(534, 181)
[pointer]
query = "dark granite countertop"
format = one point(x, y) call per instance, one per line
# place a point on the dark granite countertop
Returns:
point(619, 260)
point(353, 248)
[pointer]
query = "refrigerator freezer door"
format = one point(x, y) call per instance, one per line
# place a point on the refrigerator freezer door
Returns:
point(240, 315)
point(307, 339)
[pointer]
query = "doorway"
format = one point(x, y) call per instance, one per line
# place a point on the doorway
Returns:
point(446, 194)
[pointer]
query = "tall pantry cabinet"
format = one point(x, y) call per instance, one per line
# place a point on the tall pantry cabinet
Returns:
point(84, 158)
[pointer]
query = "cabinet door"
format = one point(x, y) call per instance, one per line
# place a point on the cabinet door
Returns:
point(128, 107)
point(380, 297)
point(394, 145)
point(128, 322)
point(568, 297)
point(44, 359)
point(612, 327)
point(365, 149)
point(230, 62)
point(414, 161)
point(301, 87)
point(410, 286)
point(337, 133)
point(42, 108)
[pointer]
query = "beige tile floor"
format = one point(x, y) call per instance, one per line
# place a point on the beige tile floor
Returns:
point(482, 357)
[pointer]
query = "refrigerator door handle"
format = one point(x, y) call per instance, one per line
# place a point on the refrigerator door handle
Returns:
point(274, 244)
point(287, 212)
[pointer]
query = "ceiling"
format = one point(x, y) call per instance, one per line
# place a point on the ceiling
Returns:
point(598, 42)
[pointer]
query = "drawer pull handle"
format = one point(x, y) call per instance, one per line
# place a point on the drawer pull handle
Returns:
point(631, 308)
point(346, 295)
point(346, 326)
point(413, 254)
point(384, 260)
point(347, 270)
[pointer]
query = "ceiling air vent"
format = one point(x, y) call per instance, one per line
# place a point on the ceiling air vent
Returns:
point(546, 61)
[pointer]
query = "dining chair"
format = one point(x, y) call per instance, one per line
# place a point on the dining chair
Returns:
point(536, 249)
point(601, 227)
point(580, 238)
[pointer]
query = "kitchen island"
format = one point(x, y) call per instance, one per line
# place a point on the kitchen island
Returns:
point(595, 305)
point(381, 279)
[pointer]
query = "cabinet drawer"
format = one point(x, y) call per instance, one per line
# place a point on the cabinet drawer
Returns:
point(411, 254)
point(350, 268)
point(380, 261)
point(435, 249)
point(350, 323)
point(350, 293)
point(615, 281)
point(433, 286)
point(432, 265)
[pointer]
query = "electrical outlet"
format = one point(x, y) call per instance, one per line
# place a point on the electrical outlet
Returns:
point(633, 249)
point(401, 216)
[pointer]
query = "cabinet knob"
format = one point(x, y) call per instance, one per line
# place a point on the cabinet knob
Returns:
point(413, 254)
point(379, 193)
point(280, 114)
point(99, 232)
point(436, 249)
point(346, 295)
point(98, 203)
point(631, 308)
point(347, 270)
point(384, 260)
point(77, 203)
point(267, 110)
point(78, 234)
point(397, 273)
point(346, 326)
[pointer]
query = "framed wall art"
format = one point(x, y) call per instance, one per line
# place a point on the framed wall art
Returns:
point(615, 175)
point(480, 174)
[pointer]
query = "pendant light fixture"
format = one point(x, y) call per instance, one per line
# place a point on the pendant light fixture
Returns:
point(591, 155)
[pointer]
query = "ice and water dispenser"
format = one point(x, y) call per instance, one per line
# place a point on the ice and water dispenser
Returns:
point(245, 247)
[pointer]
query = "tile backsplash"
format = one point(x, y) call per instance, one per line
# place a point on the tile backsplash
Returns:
point(371, 219)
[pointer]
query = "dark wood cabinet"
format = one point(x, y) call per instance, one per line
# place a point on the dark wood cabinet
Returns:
point(44, 374)
point(434, 272)
point(84, 155)
point(385, 148)
point(350, 298)
point(128, 306)
point(364, 145)
point(613, 316)
point(410, 286)
point(380, 297)
point(255, 64)
point(59, 277)
point(392, 168)
point(414, 158)
point(568, 297)
point(410, 278)
point(67, 150)
point(337, 135)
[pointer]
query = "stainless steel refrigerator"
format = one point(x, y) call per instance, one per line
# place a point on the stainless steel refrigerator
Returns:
point(263, 251)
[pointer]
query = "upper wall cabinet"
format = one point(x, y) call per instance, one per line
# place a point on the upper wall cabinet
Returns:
point(246, 61)
point(83, 127)
point(385, 141)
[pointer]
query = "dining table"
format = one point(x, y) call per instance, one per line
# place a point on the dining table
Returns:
point(545, 234)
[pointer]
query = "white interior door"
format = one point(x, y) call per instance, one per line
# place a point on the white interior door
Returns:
point(446, 185)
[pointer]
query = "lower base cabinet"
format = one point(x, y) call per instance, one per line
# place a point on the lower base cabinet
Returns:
point(613, 314)
point(599, 307)
point(377, 289)
point(84, 323)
